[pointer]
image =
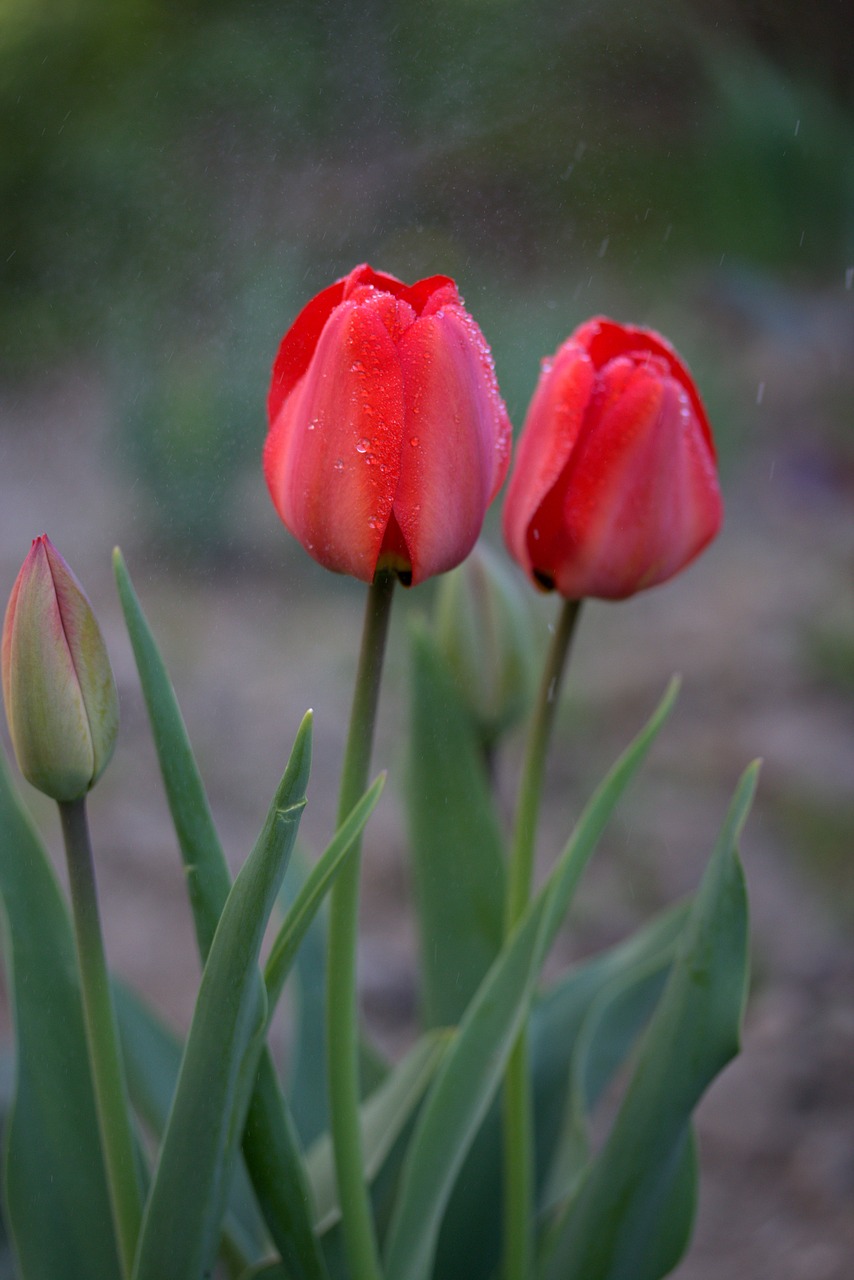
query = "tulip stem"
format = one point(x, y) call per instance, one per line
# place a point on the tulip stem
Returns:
point(108, 1078)
point(519, 1161)
point(342, 1035)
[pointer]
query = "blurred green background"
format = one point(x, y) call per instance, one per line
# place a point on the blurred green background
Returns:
point(177, 179)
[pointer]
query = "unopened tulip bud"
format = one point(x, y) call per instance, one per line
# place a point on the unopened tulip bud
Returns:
point(61, 701)
point(483, 629)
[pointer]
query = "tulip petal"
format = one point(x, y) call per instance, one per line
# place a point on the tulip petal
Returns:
point(456, 440)
point(92, 669)
point(47, 716)
point(605, 340)
point(637, 500)
point(332, 458)
point(551, 429)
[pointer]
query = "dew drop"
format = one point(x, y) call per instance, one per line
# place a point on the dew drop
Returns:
point(363, 445)
point(414, 441)
point(373, 523)
point(339, 464)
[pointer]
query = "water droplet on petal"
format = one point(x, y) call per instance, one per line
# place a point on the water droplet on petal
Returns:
point(339, 464)
point(415, 442)
point(363, 445)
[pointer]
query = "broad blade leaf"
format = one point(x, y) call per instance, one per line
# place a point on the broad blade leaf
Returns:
point(456, 842)
point(472, 1068)
point(187, 1198)
point(308, 1088)
point(271, 1150)
point(317, 884)
point(152, 1054)
point(607, 1035)
point(383, 1117)
point(612, 1228)
point(56, 1202)
point(469, 1246)
point(206, 870)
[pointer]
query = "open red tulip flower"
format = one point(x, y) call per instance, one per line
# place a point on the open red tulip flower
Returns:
point(614, 487)
point(388, 437)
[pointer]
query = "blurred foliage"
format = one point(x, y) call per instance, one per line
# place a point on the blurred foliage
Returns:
point(179, 178)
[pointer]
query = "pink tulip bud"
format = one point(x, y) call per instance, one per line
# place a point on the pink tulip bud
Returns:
point(614, 487)
point(388, 437)
point(61, 701)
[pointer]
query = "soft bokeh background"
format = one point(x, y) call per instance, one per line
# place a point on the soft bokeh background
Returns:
point(176, 180)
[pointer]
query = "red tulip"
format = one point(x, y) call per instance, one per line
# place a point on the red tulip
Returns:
point(388, 437)
point(614, 487)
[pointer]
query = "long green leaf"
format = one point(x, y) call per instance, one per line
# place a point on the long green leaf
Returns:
point(612, 1228)
point(56, 1202)
point(271, 1150)
point(606, 1036)
point(308, 1084)
point(469, 1246)
point(472, 1068)
point(317, 884)
point(152, 1054)
point(456, 841)
point(307, 1093)
point(383, 1117)
point(205, 867)
point(186, 1203)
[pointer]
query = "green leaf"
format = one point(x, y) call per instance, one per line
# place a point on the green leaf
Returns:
point(456, 842)
point(208, 877)
point(268, 1271)
point(613, 1227)
point(187, 1199)
point(271, 1149)
point(312, 893)
point(607, 1035)
point(469, 1246)
point(383, 1117)
point(473, 1066)
point(308, 1068)
point(56, 1201)
point(308, 1088)
point(152, 1055)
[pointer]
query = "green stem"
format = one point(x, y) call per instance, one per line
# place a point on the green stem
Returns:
point(519, 1171)
point(342, 1036)
point(108, 1076)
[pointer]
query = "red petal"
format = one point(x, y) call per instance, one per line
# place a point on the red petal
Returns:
point(605, 339)
point(456, 439)
point(638, 499)
point(332, 458)
point(551, 429)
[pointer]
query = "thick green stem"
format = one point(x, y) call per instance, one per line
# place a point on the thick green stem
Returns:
point(108, 1078)
point(342, 1036)
point(519, 1170)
